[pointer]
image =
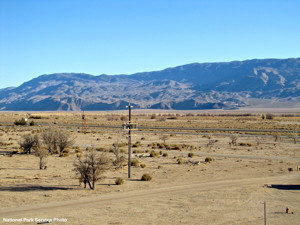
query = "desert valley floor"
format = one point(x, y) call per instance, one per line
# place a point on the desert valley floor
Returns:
point(198, 175)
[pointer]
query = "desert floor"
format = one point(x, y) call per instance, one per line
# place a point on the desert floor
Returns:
point(231, 189)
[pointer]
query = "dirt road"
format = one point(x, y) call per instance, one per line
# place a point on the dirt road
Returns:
point(91, 209)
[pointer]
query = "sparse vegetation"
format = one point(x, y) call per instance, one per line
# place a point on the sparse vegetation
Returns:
point(135, 162)
point(269, 116)
point(21, 122)
point(191, 155)
point(91, 168)
point(119, 158)
point(180, 161)
point(30, 142)
point(153, 154)
point(208, 159)
point(119, 181)
point(146, 177)
point(143, 165)
point(42, 154)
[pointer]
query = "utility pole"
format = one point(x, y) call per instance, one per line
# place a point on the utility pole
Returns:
point(84, 125)
point(129, 139)
point(265, 212)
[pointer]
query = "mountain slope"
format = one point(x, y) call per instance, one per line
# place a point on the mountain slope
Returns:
point(192, 86)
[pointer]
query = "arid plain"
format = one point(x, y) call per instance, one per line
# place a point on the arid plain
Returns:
point(186, 187)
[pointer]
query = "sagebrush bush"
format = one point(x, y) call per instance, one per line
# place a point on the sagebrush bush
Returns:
point(269, 116)
point(245, 144)
point(78, 149)
point(137, 144)
point(165, 155)
point(135, 162)
point(143, 165)
point(21, 122)
point(146, 177)
point(119, 181)
point(153, 154)
point(208, 159)
point(191, 155)
point(180, 161)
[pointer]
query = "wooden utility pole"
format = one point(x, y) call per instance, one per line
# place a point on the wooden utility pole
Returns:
point(84, 125)
point(265, 212)
point(129, 139)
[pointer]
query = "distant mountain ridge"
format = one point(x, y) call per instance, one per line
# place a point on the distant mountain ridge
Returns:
point(193, 86)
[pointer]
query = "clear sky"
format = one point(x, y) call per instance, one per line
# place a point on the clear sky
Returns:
point(127, 36)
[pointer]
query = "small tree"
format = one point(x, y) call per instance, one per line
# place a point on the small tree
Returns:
point(91, 168)
point(233, 139)
point(120, 159)
point(294, 137)
point(164, 138)
point(57, 141)
point(50, 140)
point(64, 140)
point(42, 154)
point(30, 142)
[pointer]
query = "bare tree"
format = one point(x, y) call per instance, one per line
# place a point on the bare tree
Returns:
point(64, 140)
point(164, 138)
point(294, 137)
point(91, 168)
point(42, 154)
point(120, 159)
point(30, 142)
point(57, 141)
point(50, 140)
point(233, 139)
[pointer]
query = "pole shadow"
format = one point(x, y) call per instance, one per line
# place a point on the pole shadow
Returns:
point(285, 186)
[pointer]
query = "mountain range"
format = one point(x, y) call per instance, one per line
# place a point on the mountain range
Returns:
point(226, 85)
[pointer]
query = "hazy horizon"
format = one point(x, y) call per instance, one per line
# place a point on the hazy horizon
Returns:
point(126, 37)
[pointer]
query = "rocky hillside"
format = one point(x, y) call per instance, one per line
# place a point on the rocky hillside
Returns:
point(193, 86)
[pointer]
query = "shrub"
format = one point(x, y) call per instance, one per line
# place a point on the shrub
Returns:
point(191, 155)
point(165, 155)
point(135, 162)
point(245, 144)
point(269, 116)
point(143, 165)
point(78, 149)
point(35, 117)
point(136, 151)
point(119, 181)
point(146, 177)
point(153, 154)
point(180, 161)
point(177, 147)
point(91, 167)
point(161, 145)
point(208, 159)
point(137, 144)
point(30, 142)
point(31, 123)
point(41, 153)
point(153, 116)
point(21, 122)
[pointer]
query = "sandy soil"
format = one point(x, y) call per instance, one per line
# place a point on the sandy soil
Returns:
point(229, 190)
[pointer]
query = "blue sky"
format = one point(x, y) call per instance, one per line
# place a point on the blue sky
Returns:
point(127, 36)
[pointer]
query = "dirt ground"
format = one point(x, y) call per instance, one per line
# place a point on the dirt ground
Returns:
point(231, 189)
